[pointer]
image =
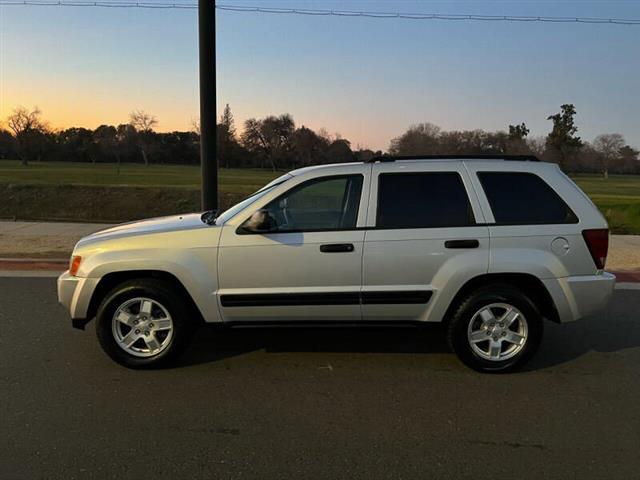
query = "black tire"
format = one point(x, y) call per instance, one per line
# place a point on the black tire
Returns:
point(173, 301)
point(496, 293)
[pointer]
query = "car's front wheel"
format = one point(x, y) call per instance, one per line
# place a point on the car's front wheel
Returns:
point(144, 323)
point(495, 329)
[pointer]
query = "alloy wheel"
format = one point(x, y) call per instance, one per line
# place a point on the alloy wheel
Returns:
point(497, 332)
point(142, 327)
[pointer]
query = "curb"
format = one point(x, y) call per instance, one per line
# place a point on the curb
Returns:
point(34, 259)
point(31, 264)
point(627, 276)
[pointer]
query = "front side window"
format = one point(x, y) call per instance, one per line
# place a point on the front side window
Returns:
point(422, 200)
point(522, 198)
point(238, 207)
point(329, 203)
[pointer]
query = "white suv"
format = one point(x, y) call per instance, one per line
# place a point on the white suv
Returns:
point(488, 246)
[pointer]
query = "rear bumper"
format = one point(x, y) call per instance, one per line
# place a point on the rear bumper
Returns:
point(74, 293)
point(581, 296)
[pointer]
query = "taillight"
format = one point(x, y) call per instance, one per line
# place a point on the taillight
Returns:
point(74, 265)
point(597, 241)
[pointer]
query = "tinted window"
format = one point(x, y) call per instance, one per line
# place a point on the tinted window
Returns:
point(422, 200)
point(524, 198)
point(321, 204)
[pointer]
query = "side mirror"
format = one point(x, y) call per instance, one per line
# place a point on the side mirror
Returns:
point(260, 222)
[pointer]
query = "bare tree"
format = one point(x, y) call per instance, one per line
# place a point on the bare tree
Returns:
point(537, 145)
point(143, 123)
point(25, 125)
point(608, 146)
point(324, 134)
point(195, 126)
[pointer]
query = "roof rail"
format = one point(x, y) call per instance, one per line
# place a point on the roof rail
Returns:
point(484, 156)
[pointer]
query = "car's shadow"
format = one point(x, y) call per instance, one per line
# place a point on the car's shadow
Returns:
point(213, 344)
point(616, 329)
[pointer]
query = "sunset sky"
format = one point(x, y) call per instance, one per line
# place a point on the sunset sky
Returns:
point(368, 79)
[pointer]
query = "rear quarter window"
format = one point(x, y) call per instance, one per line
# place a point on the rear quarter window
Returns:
point(521, 198)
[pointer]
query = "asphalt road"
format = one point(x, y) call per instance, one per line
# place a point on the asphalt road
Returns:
point(314, 404)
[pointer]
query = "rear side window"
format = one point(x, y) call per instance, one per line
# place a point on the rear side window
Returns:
point(422, 200)
point(519, 198)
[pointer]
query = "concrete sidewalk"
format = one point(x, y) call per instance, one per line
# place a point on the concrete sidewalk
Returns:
point(624, 252)
point(40, 240)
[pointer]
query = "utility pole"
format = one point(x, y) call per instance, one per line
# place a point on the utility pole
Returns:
point(208, 120)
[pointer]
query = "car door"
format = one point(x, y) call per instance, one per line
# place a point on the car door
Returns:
point(308, 266)
point(425, 238)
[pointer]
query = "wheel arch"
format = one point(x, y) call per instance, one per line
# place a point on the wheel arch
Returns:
point(111, 280)
point(530, 285)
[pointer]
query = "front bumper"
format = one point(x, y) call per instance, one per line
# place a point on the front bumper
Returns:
point(74, 293)
point(581, 296)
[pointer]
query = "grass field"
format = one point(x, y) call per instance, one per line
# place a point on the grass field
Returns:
point(104, 193)
point(232, 180)
point(88, 192)
point(617, 197)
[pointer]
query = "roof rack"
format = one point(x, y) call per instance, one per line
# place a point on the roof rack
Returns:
point(393, 158)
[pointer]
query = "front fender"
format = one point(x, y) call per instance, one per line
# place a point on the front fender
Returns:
point(195, 268)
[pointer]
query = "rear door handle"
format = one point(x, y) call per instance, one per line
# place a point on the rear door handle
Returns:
point(337, 247)
point(461, 244)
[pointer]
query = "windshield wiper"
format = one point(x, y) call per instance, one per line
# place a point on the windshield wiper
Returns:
point(209, 217)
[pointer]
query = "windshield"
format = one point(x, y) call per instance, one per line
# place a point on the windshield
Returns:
point(237, 208)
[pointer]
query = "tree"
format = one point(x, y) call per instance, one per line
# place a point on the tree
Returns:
point(7, 144)
point(562, 143)
point(429, 139)
point(227, 120)
point(105, 141)
point(421, 139)
point(178, 147)
point(340, 151)
point(536, 145)
point(518, 132)
point(608, 146)
point(269, 137)
point(113, 143)
point(364, 154)
point(27, 128)
point(517, 142)
point(143, 124)
point(75, 144)
point(195, 126)
point(630, 163)
point(252, 138)
point(308, 148)
point(226, 136)
point(324, 135)
point(126, 140)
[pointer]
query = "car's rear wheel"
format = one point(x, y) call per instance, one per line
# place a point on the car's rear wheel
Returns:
point(495, 329)
point(144, 323)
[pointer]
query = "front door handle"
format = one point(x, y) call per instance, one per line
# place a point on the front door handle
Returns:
point(337, 247)
point(461, 244)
